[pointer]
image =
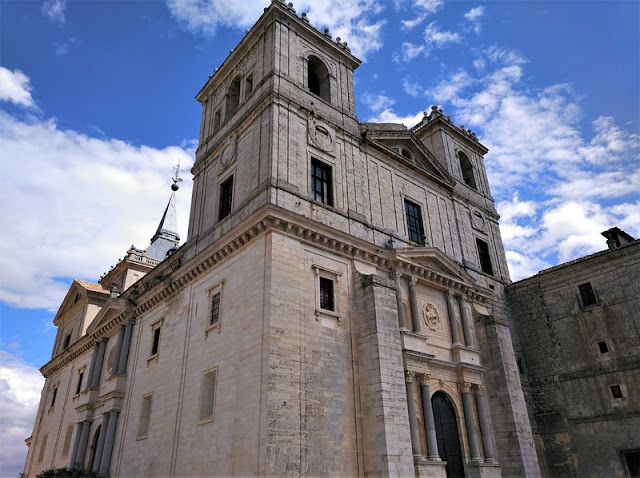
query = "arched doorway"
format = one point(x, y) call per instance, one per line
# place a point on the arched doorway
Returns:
point(447, 434)
point(93, 448)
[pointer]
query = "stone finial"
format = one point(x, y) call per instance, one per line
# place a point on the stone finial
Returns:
point(326, 33)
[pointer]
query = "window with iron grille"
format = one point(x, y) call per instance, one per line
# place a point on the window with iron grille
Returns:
point(226, 195)
point(326, 294)
point(415, 230)
point(215, 309)
point(616, 391)
point(587, 295)
point(321, 182)
point(485, 257)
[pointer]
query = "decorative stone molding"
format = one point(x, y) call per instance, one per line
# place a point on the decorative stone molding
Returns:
point(321, 135)
point(424, 378)
point(409, 375)
point(430, 316)
point(465, 387)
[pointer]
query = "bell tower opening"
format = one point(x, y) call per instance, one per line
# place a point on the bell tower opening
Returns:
point(318, 79)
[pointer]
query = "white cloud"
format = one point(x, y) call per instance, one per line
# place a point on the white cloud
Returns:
point(411, 88)
point(14, 87)
point(505, 56)
point(389, 116)
point(409, 24)
point(429, 6)
point(474, 15)
point(438, 38)
point(377, 102)
point(410, 51)
point(449, 89)
point(20, 386)
point(351, 21)
point(79, 202)
point(55, 10)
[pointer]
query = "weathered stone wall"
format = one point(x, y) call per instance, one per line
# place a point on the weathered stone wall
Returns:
point(579, 426)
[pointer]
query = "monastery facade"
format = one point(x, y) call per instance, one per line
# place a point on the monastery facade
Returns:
point(338, 307)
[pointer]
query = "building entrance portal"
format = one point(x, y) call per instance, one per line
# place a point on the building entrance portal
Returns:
point(447, 434)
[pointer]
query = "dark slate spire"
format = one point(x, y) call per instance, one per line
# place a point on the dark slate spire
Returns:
point(166, 237)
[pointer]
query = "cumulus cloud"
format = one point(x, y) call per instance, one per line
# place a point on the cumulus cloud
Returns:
point(357, 22)
point(79, 202)
point(409, 52)
point(411, 88)
point(389, 116)
point(474, 15)
point(15, 87)
point(377, 102)
point(55, 10)
point(20, 386)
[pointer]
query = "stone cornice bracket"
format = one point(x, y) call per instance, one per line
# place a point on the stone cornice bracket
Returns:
point(409, 375)
point(69, 355)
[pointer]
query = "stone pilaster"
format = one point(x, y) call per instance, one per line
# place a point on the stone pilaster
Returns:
point(100, 444)
point(397, 277)
point(415, 311)
point(474, 449)
point(411, 406)
point(467, 323)
point(485, 429)
point(429, 421)
point(126, 345)
point(105, 461)
point(453, 318)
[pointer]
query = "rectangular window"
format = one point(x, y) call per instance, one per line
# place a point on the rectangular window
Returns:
point(485, 258)
point(67, 340)
point(156, 340)
point(321, 182)
point(43, 445)
point(587, 295)
point(217, 117)
point(145, 417)
point(54, 395)
point(207, 396)
point(226, 195)
point(602, 346)
point(67, 441)
point(415, 229)
point(248, 85)
point(215, 309)
point(79, 386)
point(326, 294)
point(616, 391)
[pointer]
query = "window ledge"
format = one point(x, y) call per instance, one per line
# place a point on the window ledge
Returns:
point(153, 358)
point(211, 328)
point(330, 314)
point(142, 437)
point(206, 420)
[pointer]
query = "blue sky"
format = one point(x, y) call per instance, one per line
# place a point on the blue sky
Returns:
point(97, 106)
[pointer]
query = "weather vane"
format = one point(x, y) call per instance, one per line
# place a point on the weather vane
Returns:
point(176, 178)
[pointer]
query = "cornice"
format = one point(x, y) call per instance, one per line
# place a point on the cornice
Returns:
point(68, 355)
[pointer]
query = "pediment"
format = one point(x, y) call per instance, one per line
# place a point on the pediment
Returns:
point(405, 147)
point(435, 260)
point(109, 311)
point(78, 290)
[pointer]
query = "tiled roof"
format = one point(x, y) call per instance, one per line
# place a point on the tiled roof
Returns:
point(92, 286)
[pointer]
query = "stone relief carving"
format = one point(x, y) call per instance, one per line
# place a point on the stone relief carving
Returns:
point(477, 220)
point(228, 154)
point(430, 316)
point(321, 135)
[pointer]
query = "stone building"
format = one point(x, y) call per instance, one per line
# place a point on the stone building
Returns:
point(578, 344)
point(338, 307)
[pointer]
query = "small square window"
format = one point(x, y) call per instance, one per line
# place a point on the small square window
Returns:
point(226, 197)
point(327, 301)
point(587, 295)
point(616, 391)
point(415, 228)
point(207, 396)
point(602, 346)
point(145, 416)
point(321, 182)
point(485, 257)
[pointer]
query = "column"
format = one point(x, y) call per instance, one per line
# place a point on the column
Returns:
point(100, 444)
point(397, 275)
point(415, 313)
point(92, 367)
point(105, 461)
point(95, 378)
point(453, 318)
point(411, 406)
point(124, 355)
point(483, 416)
point(467, 322)
point(76, 444)
point(82, 447)
point(427, 416)
point(116, 357)
point(465, 388)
